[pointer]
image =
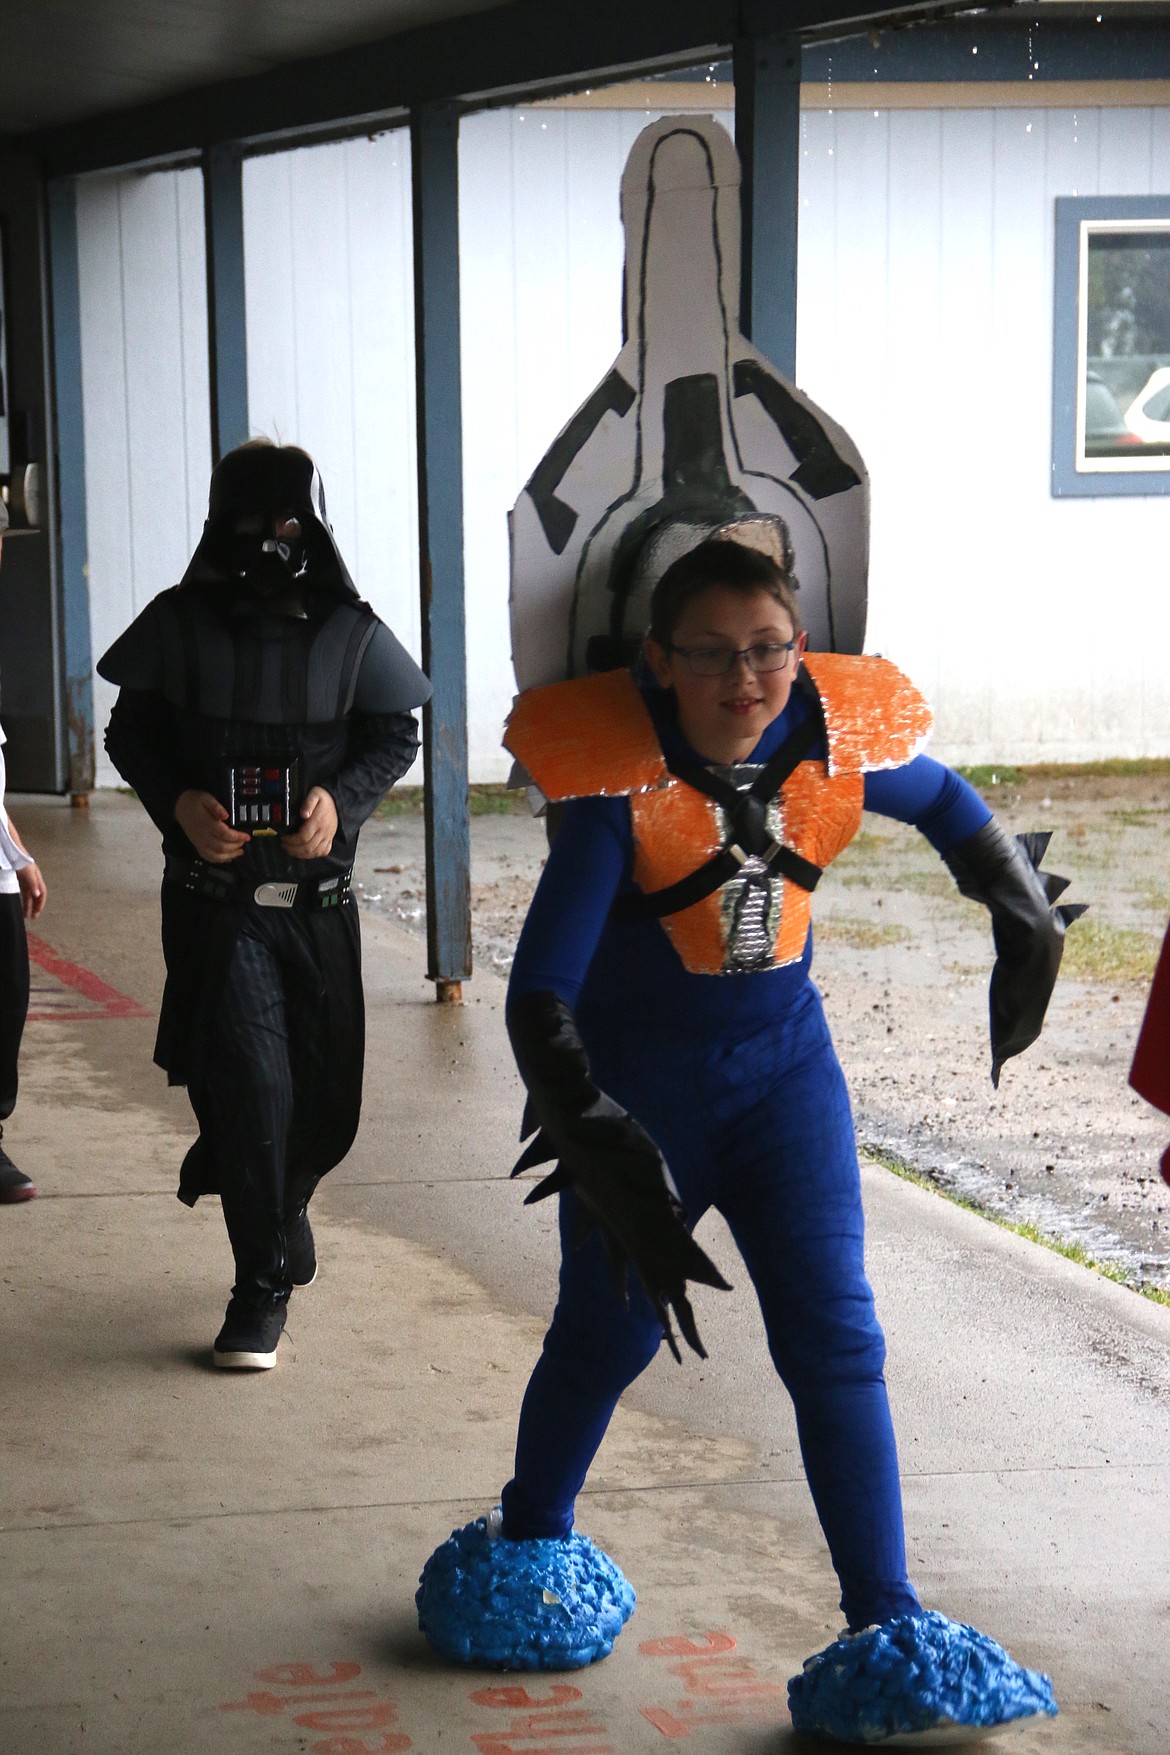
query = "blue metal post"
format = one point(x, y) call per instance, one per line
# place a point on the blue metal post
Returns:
point(71, 539)
point(434, 148)
point(767, 133)
point(223, 224)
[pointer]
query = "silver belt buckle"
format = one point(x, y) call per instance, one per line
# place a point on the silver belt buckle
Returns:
point(275, 895)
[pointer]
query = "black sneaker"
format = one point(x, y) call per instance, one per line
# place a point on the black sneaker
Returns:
point(300, 1250)
point(14, 1184)
point(247, 1340)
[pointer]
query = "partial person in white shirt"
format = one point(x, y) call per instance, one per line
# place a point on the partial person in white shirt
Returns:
point(22, 897)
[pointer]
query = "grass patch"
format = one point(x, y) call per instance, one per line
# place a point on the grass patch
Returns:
point(993, 774)
point(497, 801)
point(1109, 1270)
point(1137, 817)
point(866, 842)
point(1003, 774)
point(1095, 951)
point(1154, 895)
point(931, 880)
point(404, 801)
point(482, 801)
point(860, 935)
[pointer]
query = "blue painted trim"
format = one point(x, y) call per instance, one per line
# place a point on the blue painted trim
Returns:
point(227, 332)
point(1067, 480)
point(434, 151)
point(767, 134)
point(70, 534)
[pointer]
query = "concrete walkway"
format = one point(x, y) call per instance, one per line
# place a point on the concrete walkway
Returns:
point(194, 1562)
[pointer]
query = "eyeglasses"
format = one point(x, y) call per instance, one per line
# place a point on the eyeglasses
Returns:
point(722, 660)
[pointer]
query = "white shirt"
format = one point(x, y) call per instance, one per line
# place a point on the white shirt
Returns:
point(12, 859)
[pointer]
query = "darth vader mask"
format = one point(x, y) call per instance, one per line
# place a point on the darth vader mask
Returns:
point(267, 535)
point(267, 553)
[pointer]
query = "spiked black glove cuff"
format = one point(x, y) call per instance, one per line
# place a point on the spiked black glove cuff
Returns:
point(1002, 872)
point(609, 1160)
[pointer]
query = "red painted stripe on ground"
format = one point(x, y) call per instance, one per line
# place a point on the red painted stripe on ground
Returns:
point(106, 1001)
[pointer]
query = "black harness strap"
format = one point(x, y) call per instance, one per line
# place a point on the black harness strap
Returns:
point(747, 812)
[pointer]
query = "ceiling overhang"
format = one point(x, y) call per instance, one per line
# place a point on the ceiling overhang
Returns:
point(498, 53)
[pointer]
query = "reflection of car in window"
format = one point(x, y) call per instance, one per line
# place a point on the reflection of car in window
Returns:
point(1106, 432)
point(1148, 415)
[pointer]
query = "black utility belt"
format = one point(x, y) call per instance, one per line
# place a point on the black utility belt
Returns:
point(264, 798)
point(215, 884)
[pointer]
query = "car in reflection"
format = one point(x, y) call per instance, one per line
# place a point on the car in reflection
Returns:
point(1148, 415)
point(1106, 431)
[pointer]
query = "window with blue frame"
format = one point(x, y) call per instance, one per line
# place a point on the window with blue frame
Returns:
point(1111, 356)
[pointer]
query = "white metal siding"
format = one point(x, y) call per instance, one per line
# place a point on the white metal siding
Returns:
point(330, 306)
point(1038, 626)
point(145, 387)
point(542, 250)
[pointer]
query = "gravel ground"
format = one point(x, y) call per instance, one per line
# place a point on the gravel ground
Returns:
point(903, 961)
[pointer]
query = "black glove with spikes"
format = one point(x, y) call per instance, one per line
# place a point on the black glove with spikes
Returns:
point(1002, 872)
point(609, 1161)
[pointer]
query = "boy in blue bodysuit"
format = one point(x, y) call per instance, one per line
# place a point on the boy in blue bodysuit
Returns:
point(673, 1070)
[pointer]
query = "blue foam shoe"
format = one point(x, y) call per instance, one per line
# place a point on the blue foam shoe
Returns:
point(918, 1679)
point(535, 1605)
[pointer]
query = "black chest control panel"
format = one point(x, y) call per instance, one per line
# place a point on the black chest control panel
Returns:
point(264, 798)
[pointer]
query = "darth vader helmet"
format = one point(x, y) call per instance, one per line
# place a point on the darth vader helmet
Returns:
point(267, 534)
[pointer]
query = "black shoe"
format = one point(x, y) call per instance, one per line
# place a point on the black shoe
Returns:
point(300, 1250)
point(247, 1340)
point(14, 1184)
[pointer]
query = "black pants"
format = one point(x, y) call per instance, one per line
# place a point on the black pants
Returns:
point(262, 1089)
point(13, 996)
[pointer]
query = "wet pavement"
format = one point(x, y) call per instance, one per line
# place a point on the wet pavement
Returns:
point(200, 1561)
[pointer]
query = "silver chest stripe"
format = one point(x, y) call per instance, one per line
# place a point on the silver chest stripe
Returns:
point(749, 902)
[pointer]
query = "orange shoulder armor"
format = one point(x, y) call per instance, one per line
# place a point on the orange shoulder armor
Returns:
point(874, 716)
point(592, 736)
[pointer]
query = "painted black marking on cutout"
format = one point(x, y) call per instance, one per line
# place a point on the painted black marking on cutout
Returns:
point(557, 517)
point(632, 492)
point(821, 472)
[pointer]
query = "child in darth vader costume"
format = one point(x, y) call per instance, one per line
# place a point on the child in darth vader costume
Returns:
point(263, 712)
point(676, 1057)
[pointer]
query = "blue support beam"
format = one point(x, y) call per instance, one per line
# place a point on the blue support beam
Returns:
point(767, 134)
point(434, 150)
point(70, 535)
point(223, 224)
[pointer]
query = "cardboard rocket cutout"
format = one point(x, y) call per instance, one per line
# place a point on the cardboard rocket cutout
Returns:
point(691, 433)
